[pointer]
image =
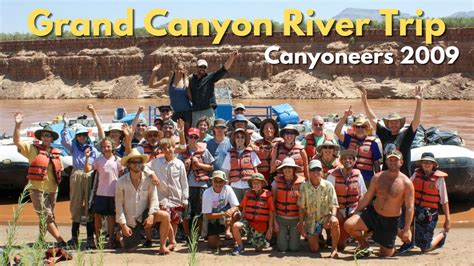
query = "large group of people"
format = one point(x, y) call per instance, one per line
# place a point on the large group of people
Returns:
point(240, 180)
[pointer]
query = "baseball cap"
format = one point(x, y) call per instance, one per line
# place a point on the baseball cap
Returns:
point(201, 62)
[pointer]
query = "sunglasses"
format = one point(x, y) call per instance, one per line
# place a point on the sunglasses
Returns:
point(153, 135)
point(47, 135)
point(328, 147)
point(193, 137)
point(315, 169)
point(202, 67)
point(360, 126)
point(220, 127)
point(135, 162)
point(289, 133)
point(318, 125)
point(164, 110)
point(82, 135)
point(427, 162)
point(141, 125)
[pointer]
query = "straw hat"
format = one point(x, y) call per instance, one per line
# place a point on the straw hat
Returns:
point(39, 132)
point(134, 154)
point(289, 128)
point(288, 162)
point(392, 117)
point(328, 143)
point(361, 120)
point(348, 152)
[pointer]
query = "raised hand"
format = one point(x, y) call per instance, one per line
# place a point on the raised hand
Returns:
point(18, 118)
point(363, 91)
point(234, 53)
point(127, 131)
point(348, 112)
point(180, 125)
point(157, 67)
point(90, 107)
point(87, 152)
point(418, 93)
point(141, 108)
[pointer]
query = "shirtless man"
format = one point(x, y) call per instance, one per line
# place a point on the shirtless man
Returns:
point(390, 188)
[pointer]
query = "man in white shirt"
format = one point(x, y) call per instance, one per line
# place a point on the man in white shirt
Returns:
point(220, 206)
point(136, 204)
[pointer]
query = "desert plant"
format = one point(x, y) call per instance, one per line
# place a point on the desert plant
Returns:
point(193, 242)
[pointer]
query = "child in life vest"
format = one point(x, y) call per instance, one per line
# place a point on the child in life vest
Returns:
point(257, 212)
point(430, 191)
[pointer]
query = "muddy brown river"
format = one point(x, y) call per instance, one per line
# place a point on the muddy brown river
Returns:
point(447, 115)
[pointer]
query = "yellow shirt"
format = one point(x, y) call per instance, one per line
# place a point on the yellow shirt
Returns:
point(47, 185)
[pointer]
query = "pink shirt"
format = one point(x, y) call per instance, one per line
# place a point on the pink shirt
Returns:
point(108, 171)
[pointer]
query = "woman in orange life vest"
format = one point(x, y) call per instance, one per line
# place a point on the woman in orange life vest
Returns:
point(350, 187)
point(289, 148)
point(368, 147)
point(43, 174)
point(286, 191)
point(241, 162)
point(264, 147)
point(257, 211)
point(430, 191)
point(328, 155)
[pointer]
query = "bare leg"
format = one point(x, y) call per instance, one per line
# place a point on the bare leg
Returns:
point(186, 227)
point(386, 252)
point(163, 218)
point(111, 226)
point(236, 231)
point(313, 242)
point(435, 242)
point(172, 236)
point(335, 233)
point(213, 241)
point(53, 230)
point(98, 226)
point(356, 227)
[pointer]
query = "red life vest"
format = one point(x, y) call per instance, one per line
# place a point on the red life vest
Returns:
point(199, 174)
point(38, 169)
point(241, 167)
point(257, 209)
point(364, 152)
point(294, 152)
point(151, 151)
point(287, 195)
point(426, 192)
point(328, 166)
point(264, 153)
point(311, 143)
point(347, 189)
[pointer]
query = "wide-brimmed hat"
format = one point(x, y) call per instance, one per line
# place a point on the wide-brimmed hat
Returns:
point(219, 175)
point(40, 132)
point(239, 106)
point(427, 156)
point(116, 126)
point(151, 129)
point(348, 152)
point(134, 154)
point(81, 130)
point(240, 118)
point(257, 176)
point(361, 120)
point(271, 121)
point(328, 143)
point(241, 130)
point(394, 116)
point(289, 128)
point(165, 106)
point(288, 162)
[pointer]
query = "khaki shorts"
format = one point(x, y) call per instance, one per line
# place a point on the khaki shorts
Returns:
point(79, 190)
point(43, 203)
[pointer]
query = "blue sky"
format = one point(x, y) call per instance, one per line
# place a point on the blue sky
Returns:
point(14, 13)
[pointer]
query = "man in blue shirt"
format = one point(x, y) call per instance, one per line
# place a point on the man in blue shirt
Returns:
point(220, 144)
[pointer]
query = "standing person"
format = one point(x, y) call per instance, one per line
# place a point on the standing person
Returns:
point(328, 155)
point(241, 162)
point(166, 112)
point(316, 138)
point(290, 148)
point(350, 188)
point(367, 147)
point(201, 88)
point(151, 145)
point(203, 125)
point(257, 212)
point(318, 205)
point(239, 109)
point(393, 133)
point(391, 190)
point(44, 173)
point(109, 169)
point(220, 144)
point(80, 183)
point(173, 189)
point(264, 147)
point(220, 207)
point(240, 121)
point(286, 190)
point(198, 163)
point(430, 191)
point(137, 206)
point(139, 126)
point(117, 136)
point(178, 84)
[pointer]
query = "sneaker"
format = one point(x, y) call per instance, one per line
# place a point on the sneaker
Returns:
point(62, 244)
point(238, 250)
point(362, 253)
point(111, 244)
point(406, 247)
point(441, 243)
point(72, 243)
point(90, 244)
point(147, 244)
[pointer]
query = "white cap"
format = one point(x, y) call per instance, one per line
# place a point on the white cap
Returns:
point(201, 62)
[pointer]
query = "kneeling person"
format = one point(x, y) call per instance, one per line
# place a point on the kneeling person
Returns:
point(220, 206)
point(257, 211)
point(317, 209)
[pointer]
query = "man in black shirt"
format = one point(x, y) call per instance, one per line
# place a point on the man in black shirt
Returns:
point(201, 88)
point(393, 133)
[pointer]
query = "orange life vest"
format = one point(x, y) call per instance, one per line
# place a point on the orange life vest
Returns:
point(426, 192)
point(199, 174)
point(364, 152)
point(38, 169)
point(328, 166)
point(151, 151)
point(311, 143)
point(287, 195)
point(241, 167)
point(257, 208)
point(264, 153)
point(347, 189)
point(294, 152)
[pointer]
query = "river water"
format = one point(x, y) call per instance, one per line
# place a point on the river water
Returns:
point(447, 115)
